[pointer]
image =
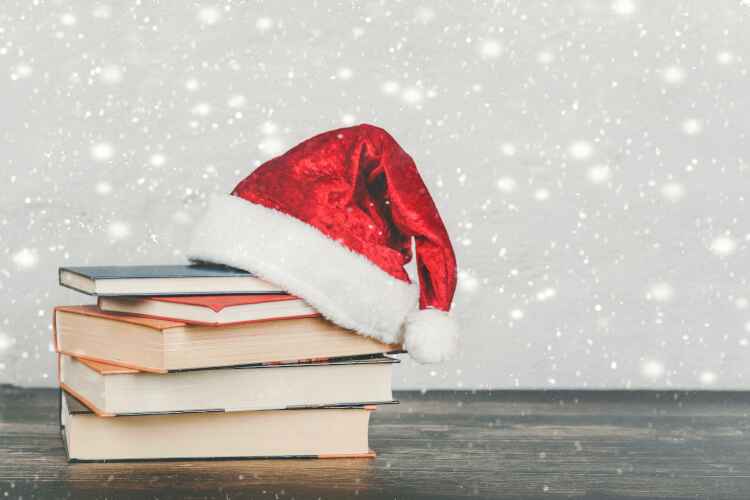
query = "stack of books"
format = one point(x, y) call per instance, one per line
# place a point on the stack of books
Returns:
point(207, 361)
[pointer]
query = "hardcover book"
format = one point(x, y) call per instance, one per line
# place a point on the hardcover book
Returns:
point(212, 309)
point(110, 390)
point(156, 345)
point(315, 433)
point(196, 279)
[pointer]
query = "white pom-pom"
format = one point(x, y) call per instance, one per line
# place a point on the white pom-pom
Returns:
point(430, 335)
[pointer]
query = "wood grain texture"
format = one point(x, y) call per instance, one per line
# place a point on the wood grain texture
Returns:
point(526, 444)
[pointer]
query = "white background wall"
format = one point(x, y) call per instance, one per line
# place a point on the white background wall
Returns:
point(590, 160)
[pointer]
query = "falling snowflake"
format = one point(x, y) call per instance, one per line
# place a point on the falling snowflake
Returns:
point(725, 57)
point(6, 342)
point(490, 49)
point(237, 101)
point(269, 128)
point(541, 194)
point(102, 151)
point(599, 174)
point(467, 282)
point(345, 73)
point(209, 15)
point(506, 184)
point(264, 24)
point(723, 246)
point(581, 150)
point(390, 87)
point(271, 146)
point(673, 191)
point(660, 292)
point(103, 188)
point(68, 19)
point(546, 294)
point(545, 57)
point(21, 71)
point(157, 159)
point(707, 377)
point(110, 74)
point(192, 84)
point(26, 258)
point(412, 95)
point(673, 75)
point(623, 7)
point(516, 314)
point(692, 126)
point(652, 369)
point(201, 109)
point(508, 149)
point(118, 230)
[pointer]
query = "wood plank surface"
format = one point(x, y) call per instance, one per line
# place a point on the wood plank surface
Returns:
point(509, 444)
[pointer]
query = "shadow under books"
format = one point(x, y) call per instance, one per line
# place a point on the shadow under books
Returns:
point(348, 476)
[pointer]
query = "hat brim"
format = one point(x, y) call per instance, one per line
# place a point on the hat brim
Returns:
point(343, 285)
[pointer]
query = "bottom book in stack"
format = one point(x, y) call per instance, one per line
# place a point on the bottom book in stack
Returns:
point(314, 409)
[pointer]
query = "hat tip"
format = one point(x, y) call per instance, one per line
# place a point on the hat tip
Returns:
point(430, 335)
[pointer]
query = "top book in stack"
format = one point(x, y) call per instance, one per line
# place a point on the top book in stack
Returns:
point(196, 279)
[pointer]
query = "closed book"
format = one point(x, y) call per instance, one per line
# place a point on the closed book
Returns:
point(321, 433)
point(110, 390)
point(196, 279)
point(212, 309)
point(156, 345)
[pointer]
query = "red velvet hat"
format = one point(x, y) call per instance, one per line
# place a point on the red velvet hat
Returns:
point(332, 221)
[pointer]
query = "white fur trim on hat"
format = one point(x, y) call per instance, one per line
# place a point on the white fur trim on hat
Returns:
point(343, 285)
point(430, 335)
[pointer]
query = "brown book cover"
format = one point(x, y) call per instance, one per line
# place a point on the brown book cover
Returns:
point(158, 346)
point(339, 432)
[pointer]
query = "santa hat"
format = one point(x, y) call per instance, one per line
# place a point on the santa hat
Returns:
point(332, 221)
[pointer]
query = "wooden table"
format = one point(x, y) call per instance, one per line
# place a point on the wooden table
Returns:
point(508, 444)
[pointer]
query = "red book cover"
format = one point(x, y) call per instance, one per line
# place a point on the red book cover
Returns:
point(219, 302)
point(216, 304)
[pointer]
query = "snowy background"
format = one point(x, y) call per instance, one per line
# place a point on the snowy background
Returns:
point(590, 159)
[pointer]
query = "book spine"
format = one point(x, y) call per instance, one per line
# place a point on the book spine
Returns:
point(62, 427)
point(55, 340)
point(61, 270)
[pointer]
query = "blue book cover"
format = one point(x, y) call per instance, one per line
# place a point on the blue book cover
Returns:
point(149, 280)
point(155, 271)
